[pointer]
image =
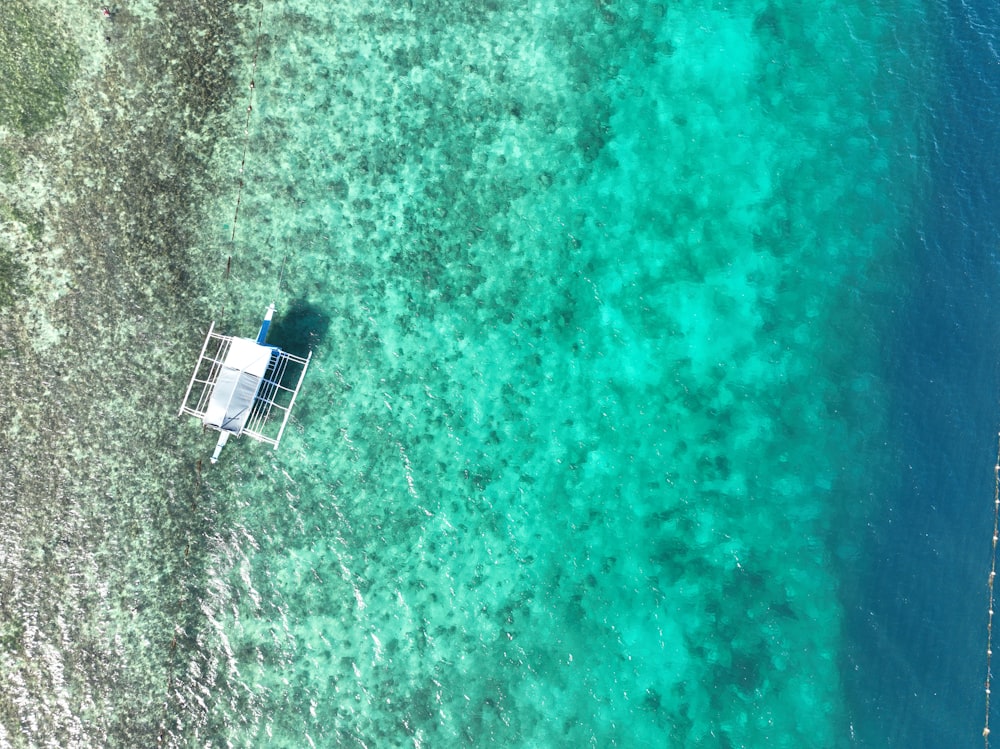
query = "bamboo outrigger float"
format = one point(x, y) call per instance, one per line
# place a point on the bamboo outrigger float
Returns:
point(242, 386)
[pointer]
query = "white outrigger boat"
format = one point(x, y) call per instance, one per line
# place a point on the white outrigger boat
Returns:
point(243, 386)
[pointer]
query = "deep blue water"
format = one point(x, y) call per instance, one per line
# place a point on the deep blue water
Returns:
point(919, 623)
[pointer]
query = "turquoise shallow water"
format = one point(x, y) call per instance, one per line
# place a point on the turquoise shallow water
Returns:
point(600, 414)
point(591, 294)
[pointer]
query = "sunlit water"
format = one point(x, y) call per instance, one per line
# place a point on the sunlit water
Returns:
point(602, 425)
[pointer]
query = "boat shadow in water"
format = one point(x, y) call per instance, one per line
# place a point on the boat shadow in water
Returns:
point(301, 328)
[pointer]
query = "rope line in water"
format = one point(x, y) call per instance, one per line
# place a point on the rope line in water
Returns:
point(178, 630)
point(993, 574)
point(246, 127)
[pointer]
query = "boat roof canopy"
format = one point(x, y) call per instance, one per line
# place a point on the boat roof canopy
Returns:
point(239, 380)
